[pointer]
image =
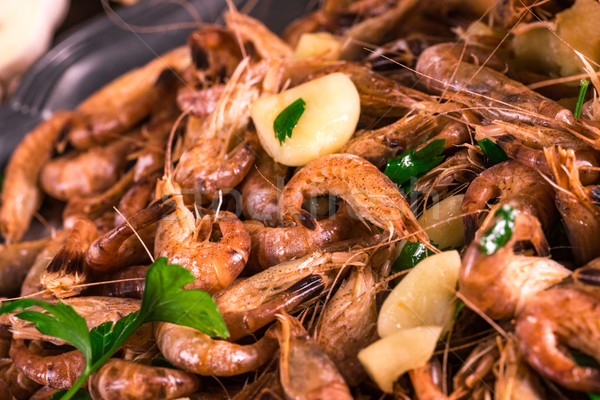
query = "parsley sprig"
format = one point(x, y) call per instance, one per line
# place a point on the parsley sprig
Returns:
point(163, 300)
point(492, 152)
point(499, 234)
point(415, 164)
point(583, 85)
point(287, 120)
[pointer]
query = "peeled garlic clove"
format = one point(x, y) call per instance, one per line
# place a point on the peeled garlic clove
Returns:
point(390, 357)
point(321, 44)
point(327, 123)
point(423, 297)
point(443, 224)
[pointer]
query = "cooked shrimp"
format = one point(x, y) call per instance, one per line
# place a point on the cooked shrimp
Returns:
point(43, 393)
point(379, 145)
point(349, 324)
point(86, 173)
point(586, 160)
point(370, 194)
point(215, 53)
point(67, 269)
point(512, 183)
point(208, 165)
point(305, 370)
point(260, 190)
point(254, 301)
point(31, 283)
point(95, 311)
point(214, 264)
point(577, 204)
point(196, 352)
point(130, 283)
point(119, 379)
point(500, 284)
point(19, 385)
point(266, 43)
point(57, 371)
point(109, 252)
point(21, 195)
point(119, 106)
point(446, 67)
point(15, 262)
point(426, 381)
point(551, 321)
point(271, 246)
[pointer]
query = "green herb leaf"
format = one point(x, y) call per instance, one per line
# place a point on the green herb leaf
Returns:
point(79, 395)
point(493, 153)
point(62, 321)
point(593, 396)
point(106, 336)
point(287, 120)
point(583, 85)
point(411, 254)
point(164, 300)
point(414, 164)
point(459, 307)
point(499, 234)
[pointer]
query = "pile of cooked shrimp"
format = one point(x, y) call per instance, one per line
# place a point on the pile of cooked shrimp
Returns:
point(301, 236)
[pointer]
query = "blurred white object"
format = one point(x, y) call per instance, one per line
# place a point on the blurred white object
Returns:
point(26, 30)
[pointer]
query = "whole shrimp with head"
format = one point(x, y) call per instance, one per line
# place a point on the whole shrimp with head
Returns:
point(185, 240)
point(208, 165)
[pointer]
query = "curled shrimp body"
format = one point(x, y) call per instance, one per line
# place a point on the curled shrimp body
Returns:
point(305, 370)
point(260, 190)
point(554, 319)
point(214, 264)
point(86, 173)
point(500, 284)
point(254, 302)
point(577, 204)
point(21, 195)
point(196, 352)
point(122, 380)
point(512, 183)
point(15, 262)
point(109, 252)
point(271, 246)
point(370, 194)
point(348, 324)
point(131, 285)
point(57, 371)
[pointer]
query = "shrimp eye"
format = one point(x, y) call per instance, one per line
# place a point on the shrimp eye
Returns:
point(588, 276)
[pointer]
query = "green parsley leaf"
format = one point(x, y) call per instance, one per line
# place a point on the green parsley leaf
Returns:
point(163, 300)
point(411, 254)
point(287, 120)
point(493, 153)
point(583, 85)
point(499, 234)
point(414, 164)
point(593, 396)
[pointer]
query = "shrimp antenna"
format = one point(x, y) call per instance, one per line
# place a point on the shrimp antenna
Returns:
point(169, 152)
